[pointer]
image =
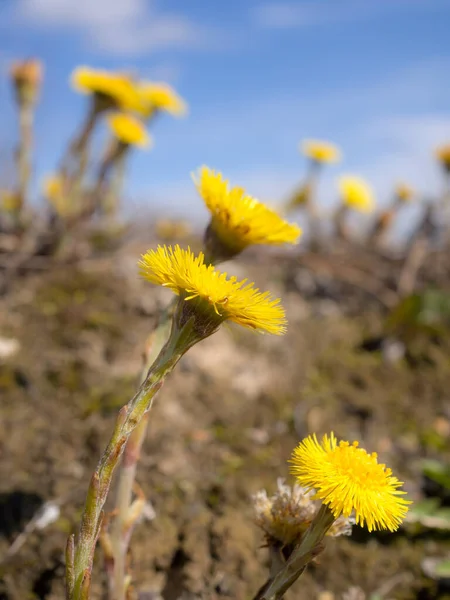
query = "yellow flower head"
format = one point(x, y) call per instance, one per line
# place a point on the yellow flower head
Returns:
point(346, 478)
point(53, 187)
point(220, 297)
point(239, 220)
point(129, 130)
point(170, 229)
point(356, 193)
point(10, 201)
point(113, 89)
point(27, 76)
point(55, 192)
point(160, 96)
point(443, 155)
point(321, 152)
point(404, 192)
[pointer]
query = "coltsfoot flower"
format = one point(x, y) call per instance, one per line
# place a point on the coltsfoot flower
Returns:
point(346, 478)
point(320, 152)
point(129, 130)
point(10, 201)
point(404, 192)
point(26, 76)
point(214, 297)
point(443, 155)
point(286, 515)
point(356, 193)
point(160, 97)
point(55, 193)
point(171, 229)
point(112, 90)
point(237, 219)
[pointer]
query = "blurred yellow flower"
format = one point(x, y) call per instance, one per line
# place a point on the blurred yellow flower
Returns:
point(170, 229)
point(54, 191)
point(113, 89)
point(239, 220)
point(356, 193)
point(10, 201)
point(220, 297)
point(443, 155)
point(53, 187)
point(404, 192)
point(129, 130)
point(321, 152)
point(27, 76)
point(301, 196)
point(346, 478)
point(160, 97)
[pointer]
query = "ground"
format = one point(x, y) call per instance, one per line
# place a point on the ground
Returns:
point(221, 429)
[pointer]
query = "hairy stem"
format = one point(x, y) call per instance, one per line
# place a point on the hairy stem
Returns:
point(181, 339)
point(308, 548)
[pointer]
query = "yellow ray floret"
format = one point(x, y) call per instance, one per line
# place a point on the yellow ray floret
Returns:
point(240, 220)
point(129, 130)
point(118, 88)
point(187, 275)
point(160, 96)
point(356, 193)
point(322, 152)
point(346, 478)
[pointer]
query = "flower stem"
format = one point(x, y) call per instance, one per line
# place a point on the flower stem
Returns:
point(122, 529)
point(308, 548)
point(181, 339)
point(24, 149)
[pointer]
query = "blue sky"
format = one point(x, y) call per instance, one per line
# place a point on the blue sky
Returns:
point(259, 76)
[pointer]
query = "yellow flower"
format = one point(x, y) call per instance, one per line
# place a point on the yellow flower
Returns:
point(404, 192)
point(114, 90)
point(129, 130)
point(356, 193)
point(321, 152)
point(53, 187)
point(55, 193)
point(169, 229)
point(221, 297)
point(443, 155)
point(10, 201)
point(346, 478)
point(27, 76)
point(239, 220)
point(160, 96)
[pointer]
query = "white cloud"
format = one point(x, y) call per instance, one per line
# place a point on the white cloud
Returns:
point(126, 27)
point(294, 15)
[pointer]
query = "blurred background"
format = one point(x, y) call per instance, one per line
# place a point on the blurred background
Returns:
point(95, 169)
point(371, 76)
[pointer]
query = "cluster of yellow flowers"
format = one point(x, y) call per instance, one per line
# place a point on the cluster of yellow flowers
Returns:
point(355, 192)
point(346, 478)
point(119, 91)
point(237, 220)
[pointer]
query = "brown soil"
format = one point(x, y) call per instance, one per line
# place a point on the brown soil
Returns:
point(222, 428)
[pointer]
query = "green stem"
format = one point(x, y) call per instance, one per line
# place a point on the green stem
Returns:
point(308, 548)
point(181, 339)
point(121, 532)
